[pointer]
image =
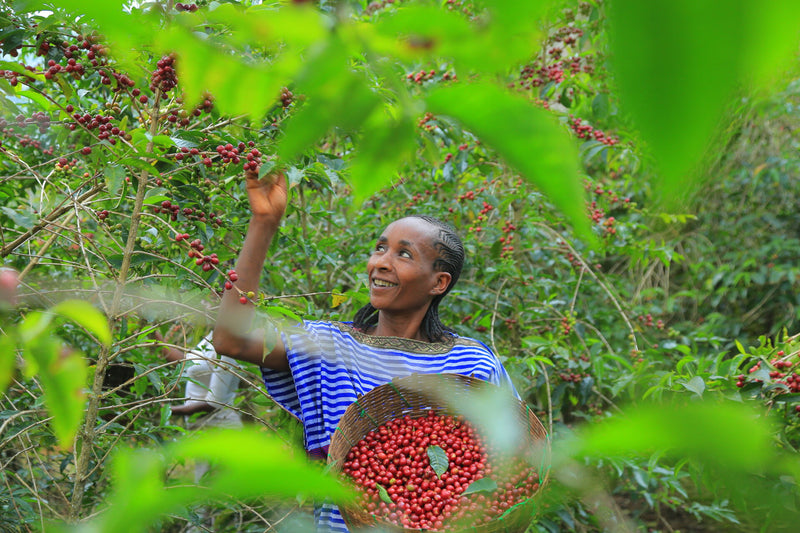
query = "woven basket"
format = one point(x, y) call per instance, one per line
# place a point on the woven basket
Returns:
point(417, 395)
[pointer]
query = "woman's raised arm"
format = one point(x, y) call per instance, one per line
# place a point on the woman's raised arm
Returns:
point(234, 332)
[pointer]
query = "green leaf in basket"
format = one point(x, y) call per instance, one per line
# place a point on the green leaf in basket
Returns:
point(438, 458)
point(383, 493)
point(483, 484)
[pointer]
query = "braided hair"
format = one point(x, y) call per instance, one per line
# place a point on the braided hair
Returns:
point(450, 259)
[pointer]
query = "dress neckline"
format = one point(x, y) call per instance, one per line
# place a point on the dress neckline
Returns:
point(398, 343)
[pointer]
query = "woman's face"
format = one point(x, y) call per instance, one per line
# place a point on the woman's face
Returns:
point(400, 269)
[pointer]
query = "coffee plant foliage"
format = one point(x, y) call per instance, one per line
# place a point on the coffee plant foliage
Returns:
point(641, 320)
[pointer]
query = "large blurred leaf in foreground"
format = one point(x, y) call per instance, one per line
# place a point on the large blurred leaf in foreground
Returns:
point(245, 464)
point(678, 63)
point(528, 138)
point(731, 443)
point(728, 433)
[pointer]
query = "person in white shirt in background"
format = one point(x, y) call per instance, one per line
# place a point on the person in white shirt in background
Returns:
point(211, 384)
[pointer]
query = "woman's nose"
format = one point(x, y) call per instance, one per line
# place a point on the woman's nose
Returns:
point(381, 261)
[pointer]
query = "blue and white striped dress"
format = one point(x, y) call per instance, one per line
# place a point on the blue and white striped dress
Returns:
point(332, 364)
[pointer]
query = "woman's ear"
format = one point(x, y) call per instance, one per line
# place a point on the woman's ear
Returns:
point(442, 282)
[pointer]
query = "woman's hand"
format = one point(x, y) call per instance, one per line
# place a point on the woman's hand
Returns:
point(268, 195)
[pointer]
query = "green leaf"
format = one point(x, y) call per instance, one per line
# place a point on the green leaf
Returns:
point(43, 102)
point(697, 429)
point(280, 311)
point(183, 143)
point(20, 69)
point(696, 385)
point(600, 106)
point(483, 484)
point(140, 496)
point(115, 177)
point(86, 315)
point(335, 97)
point(20, 218)
point(8, 350)
point(124, 31)
point(140, 164)
point(375, 166)
point(384, 495)
point(275, 472)
point(155, 199)
point(63, 378)
point(421, 31)
point(265, 168)
point(438, 459)
point(527, 137)
point(678, 64)
point(33, 326)
point(205, 67)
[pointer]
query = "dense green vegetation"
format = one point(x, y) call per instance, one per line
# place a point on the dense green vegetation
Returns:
point(631, 234)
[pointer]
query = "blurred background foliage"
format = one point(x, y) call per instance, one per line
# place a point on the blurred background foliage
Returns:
point(626, 190)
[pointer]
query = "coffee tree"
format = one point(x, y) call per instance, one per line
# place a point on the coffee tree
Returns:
point(127, 127)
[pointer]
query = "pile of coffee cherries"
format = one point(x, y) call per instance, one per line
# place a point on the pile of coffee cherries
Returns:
point(436, 472)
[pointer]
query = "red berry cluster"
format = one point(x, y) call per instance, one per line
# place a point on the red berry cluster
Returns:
point(613, 198)
point(609, 225)
point(647, 321)
point(102, 214)
point(180, 115)
point(184, 151)
point(71, 53)
point(571, 377)
point(418, 197)
point(72, 67)
point(207, 262)
point(186, 7)
point(286, 97)
point(39, 119)
point(105, 128)
point(550, 66)
point(231, 154)
point(27, 140)
point(174, 209)
point(469, 195)
point(11, 76)
point(421, 76)
point(781, 373)
point(424, 123)
point(63, 164)
point(458, 5)
point(426, 75)
point(574, 261)
point(507, 238)
point(586, 131)
point(233, 277)
point(376, 6)
point(413, 472)
point(164, 77)
point(568, 35)
point(565, 326)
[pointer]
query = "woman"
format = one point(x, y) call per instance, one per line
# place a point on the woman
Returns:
point(319, 368)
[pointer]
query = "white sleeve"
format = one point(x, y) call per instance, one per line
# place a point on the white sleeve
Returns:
point(222, 389)
point(222, 382)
